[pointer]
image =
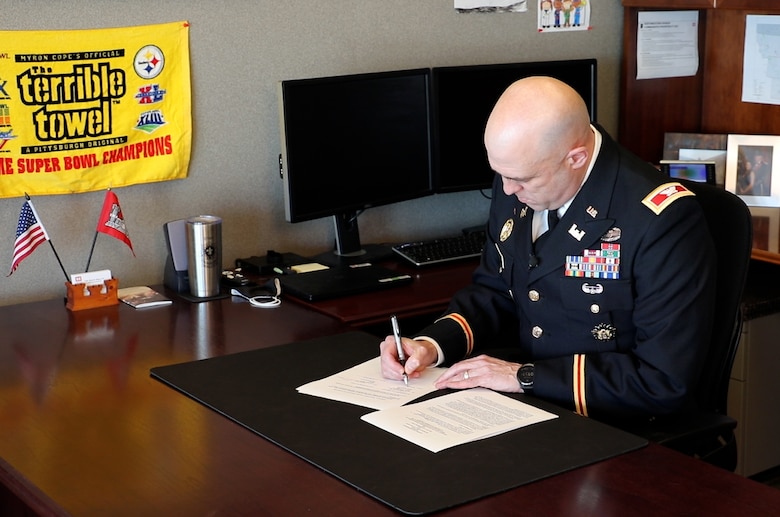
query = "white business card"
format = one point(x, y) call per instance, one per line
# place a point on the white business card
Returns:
point(91, 277)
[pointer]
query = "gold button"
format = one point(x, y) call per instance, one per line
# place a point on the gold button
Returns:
point(533, 295)
point(537, 332)
point(595, 308)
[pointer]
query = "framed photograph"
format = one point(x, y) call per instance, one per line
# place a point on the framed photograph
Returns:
point(698, 147)
point(753, 169)
point(766, 228)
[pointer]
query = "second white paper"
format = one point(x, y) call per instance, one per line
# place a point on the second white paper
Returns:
point(457, 418)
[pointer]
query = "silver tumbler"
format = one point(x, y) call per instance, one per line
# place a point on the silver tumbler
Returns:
point(204, 255)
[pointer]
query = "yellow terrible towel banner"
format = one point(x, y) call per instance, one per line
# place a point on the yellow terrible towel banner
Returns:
point(85, 110)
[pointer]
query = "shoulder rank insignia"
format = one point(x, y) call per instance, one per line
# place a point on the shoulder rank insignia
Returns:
point(665, 195)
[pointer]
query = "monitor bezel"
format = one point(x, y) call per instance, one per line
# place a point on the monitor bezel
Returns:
point(395, 190)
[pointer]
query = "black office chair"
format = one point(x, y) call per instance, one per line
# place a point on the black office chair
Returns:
point(708, 432)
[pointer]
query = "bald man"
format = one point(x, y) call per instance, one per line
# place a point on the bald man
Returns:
point(609, 312)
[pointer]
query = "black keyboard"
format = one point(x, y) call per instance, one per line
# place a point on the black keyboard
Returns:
point(447, 249)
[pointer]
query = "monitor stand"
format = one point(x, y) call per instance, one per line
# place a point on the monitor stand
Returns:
point(348, 249)
point(369, 253)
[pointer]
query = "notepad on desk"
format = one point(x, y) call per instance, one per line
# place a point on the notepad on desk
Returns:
point(339, 281)
point(308, 268)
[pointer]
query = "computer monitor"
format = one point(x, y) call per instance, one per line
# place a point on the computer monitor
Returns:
point(352, 142)
point(461, 101)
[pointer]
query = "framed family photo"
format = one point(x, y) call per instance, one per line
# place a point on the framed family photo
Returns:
point(753, 169)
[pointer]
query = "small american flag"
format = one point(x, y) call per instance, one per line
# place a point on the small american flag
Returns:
point(29, 234)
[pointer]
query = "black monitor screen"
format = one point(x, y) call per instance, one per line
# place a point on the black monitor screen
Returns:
point(353, 142)
point(462, 99)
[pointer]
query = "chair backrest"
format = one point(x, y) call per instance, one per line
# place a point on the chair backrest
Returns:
point(731, 227)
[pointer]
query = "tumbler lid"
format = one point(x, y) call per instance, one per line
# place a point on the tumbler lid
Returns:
point(204, 219)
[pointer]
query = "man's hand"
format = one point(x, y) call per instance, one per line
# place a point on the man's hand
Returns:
point(484, 371)
point(419, 355)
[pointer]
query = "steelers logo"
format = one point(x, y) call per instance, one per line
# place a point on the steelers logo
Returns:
point(149, 62)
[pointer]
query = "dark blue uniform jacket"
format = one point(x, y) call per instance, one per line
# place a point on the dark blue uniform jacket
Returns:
point(627, 340)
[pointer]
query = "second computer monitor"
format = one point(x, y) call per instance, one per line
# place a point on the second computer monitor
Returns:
point(462, 99)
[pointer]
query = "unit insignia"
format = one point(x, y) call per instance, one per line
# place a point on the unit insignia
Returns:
point(506, 231)
point(604, 332)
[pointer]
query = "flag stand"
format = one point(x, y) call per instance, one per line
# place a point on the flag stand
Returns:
point(59, 261)
point(92, 249)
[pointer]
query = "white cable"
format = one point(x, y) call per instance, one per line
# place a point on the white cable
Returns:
point(265, 301)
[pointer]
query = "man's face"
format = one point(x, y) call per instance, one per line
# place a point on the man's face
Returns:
point(541, 185)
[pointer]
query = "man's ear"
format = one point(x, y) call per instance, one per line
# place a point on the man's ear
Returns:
point(578, 157)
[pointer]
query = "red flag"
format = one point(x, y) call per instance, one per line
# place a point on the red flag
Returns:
point(30, 233)
point(112, 222)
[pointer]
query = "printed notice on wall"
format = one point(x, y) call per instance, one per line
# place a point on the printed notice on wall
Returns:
point(667, 44)
point(761, 72)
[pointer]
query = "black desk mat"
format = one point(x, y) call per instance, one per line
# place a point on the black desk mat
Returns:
point(257, 389)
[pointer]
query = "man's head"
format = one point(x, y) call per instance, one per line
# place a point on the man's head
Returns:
point(538, 139)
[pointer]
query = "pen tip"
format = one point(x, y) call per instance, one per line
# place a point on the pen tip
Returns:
point(406, 379)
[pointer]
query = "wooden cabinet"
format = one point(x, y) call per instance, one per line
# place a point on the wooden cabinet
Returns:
point(753, 396)
point(702, 4)
point(708, 102)
point(671, 4)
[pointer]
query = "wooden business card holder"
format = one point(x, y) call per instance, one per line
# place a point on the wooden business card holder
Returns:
point(82, 296)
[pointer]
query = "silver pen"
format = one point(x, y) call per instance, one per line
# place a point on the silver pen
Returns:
point(398, 346)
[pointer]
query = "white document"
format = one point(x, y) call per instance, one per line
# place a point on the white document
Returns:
point(667, 44)
point(458, 418)
point(91, 277)
point(760, 73)
point(363, 385)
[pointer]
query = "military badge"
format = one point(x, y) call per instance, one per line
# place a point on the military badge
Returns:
point(506, 231)
point(612, 234)
point(604, 332)
point(592, 288)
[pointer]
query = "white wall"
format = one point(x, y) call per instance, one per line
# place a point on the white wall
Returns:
point(239, 50)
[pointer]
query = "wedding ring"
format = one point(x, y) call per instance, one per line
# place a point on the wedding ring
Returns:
point(466, 375)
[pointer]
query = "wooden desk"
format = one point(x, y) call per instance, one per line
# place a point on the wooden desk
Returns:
point(86, 431)
point(427, 296)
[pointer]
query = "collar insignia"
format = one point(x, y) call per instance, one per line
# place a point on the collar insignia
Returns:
point(576, 232)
